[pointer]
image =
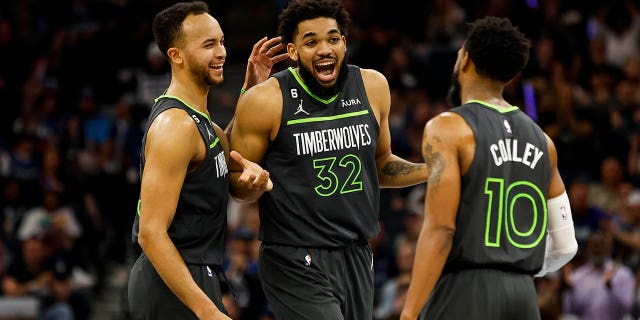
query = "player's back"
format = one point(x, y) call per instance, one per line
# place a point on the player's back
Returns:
point(502, 218)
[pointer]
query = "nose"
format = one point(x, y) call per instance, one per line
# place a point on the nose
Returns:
point(220, 52)
point(324, 48)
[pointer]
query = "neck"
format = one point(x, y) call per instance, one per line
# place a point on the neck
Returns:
point(193, 94)
point(488, 91)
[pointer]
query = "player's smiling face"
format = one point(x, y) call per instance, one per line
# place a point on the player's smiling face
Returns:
point(204, 47)
point(319, 47)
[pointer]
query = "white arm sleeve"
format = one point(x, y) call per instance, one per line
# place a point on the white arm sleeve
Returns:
point(561, 238)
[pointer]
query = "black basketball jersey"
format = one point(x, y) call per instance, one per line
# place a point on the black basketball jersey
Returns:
point(198, 227)
point(322, 163)
point(502, 217)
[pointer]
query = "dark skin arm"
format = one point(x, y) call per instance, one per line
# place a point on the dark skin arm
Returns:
point(172, 148)
point(393, 171)
point(258, 113)
point(442, 138)
point(448, 149)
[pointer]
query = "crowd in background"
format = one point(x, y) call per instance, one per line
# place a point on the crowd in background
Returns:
point(77, 79)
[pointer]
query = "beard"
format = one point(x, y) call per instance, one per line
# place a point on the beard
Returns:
point(202, 74)
point(317, 88)
point(453, 97)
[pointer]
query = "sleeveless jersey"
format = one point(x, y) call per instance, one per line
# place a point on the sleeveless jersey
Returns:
point(322, 163)
point(198, 227)
point(502, 217)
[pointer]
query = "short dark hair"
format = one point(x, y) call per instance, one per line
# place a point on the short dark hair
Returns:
point(301, 10)
point(167, 24)
point(497, 48)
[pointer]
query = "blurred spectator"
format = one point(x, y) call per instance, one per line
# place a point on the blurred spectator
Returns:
point(390, 289)
point(587, 218)
point(52, 218)
point(150, 80)
point(34, 273)
point(600, 289)
point(549, 299)
point(619, 23)
point(413, 217)
point(633, 163)
point(606, 193)
point(23, 162)
point(625, 230)
point(12, 211)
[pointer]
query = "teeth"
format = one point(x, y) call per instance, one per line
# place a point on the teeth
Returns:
point(325, 64)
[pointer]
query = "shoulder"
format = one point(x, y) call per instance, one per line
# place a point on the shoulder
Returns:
point(172, 127)
point(448, 124)
point(173, 118)
point(377, 90)
point(373, 78)
point(449, 130)
point(263, 101)
point(267, 92)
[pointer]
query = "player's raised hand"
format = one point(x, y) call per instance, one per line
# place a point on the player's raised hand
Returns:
point(253, 176)
point(265, 53)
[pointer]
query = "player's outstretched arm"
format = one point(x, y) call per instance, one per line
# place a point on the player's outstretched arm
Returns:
point(393, 171)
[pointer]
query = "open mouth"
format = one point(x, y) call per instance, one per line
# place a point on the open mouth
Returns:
point(325, 70)
point(216, 67)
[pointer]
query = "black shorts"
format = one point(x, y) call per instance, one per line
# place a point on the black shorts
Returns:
point(150, 298)
point(317, 284)
point(483, 294)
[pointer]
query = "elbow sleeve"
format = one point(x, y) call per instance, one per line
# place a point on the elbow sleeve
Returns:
point(561, 239)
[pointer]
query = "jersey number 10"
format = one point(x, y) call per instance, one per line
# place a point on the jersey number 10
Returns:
point(503, 207)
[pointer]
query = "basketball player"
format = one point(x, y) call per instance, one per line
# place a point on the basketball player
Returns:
point(181, 218)
point(496, 210)
point(321, 130)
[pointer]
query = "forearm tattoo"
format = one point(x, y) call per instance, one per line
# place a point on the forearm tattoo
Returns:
point(435, 163)
point(397, 168)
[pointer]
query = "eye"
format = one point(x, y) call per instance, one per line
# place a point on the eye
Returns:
point(334, 39)
point(310, 43)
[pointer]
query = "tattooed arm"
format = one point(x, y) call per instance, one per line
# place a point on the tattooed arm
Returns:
point(444, 137)
point(396, 172)
point(393, 171)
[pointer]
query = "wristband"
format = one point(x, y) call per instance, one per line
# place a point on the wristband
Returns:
point(242, 90)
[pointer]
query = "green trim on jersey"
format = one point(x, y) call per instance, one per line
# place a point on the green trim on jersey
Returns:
point(186, 104)
point(214, 143)
point(138, 206)
point(501, 110)
point(321, 119)
point(304, 86)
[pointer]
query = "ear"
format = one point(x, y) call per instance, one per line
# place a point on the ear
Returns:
point(344, 43)
point(466, 62)
point(175, 55)
point(293, 53)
